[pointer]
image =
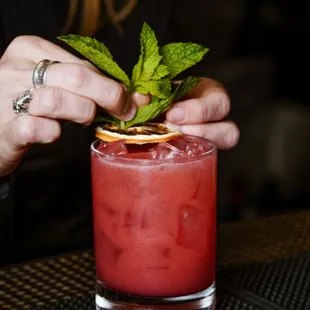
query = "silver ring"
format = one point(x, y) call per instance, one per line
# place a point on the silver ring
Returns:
point(39, 72)
point(21, 103)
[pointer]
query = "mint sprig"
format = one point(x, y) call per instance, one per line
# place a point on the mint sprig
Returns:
point(97, 53)
point(149, 66)
point(153, 73)
point(149, 58)
point(156, 107)
point(178, 57)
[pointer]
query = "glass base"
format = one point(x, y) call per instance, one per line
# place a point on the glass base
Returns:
point(107, 298)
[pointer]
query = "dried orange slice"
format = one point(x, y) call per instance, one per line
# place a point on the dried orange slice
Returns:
point(145, 133)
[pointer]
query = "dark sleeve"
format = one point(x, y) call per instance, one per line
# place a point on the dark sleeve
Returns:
point(6, 200)
point(2, 48)
point(6, 219)
point(4, 188)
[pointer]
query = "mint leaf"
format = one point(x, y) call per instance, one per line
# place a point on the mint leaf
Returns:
point(185, 86)
point(160, 72)
point(88, 41)
point(137, 70)
point(149, 58)
point(157, 107)
point(107, 118)
point(152, 74)
point(141, 90)
point(148, 41)
point(160, 89)
point(149, 67)
point(178, 57)
point(98, 54)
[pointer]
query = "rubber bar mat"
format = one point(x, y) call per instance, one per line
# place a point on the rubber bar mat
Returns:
point(224, 302)
point(277, 285)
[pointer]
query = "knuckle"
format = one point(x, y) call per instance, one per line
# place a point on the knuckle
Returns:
point(56, 95)
point(26, 129)
point(48, 102)
point(217, 108)
point(6, 68)
point(116, 94)
point(20, 44)
point(54, 100)
point(21, 41)
point(205, 112)
point(222, 108)
point(77, 75)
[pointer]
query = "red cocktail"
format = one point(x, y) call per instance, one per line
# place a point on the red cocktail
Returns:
point(154, 221)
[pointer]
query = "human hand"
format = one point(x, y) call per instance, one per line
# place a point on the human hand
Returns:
point(202, 113)
point(72, 90)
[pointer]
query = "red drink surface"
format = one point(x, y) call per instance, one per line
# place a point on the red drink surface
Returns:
point(155, 219)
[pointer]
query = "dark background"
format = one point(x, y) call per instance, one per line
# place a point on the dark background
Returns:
point(260, 52)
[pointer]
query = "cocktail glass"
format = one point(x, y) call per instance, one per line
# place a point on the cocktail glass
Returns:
point(155, 224)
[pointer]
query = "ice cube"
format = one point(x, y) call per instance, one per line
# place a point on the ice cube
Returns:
point(143, 151)
point(193, 228)
point(160, 268)
point(166, 150)
point(106, 254)
point(141, 155)
point(115, 148)
point(139, 148)
point(194, 148)
point(190, 146)
point(134, 221)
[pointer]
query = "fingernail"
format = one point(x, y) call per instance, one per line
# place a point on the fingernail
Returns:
point(131, 114)
point(173, 126)
point(129, 110)
point(140, 100)
point(127, 106)
point(176, 115)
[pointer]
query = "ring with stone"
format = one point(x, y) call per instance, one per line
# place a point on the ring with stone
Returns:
point(21, 103)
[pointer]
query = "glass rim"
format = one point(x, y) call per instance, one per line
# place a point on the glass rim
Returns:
point(211, 152)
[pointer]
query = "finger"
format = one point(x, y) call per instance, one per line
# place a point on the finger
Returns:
point(205, 87)
point(79, 76)
point(224, 134)
point(83, 81)
point(26, 130)
point(208, 101)
point(213, 107)
point(140, 100)
point(54, 100)
point(35, 49)
point(61, 104)
point(19, 133)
